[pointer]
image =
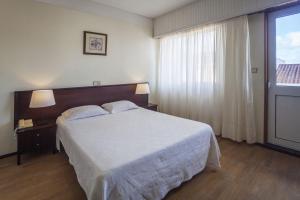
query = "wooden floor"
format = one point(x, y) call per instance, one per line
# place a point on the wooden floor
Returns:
point(248, 172)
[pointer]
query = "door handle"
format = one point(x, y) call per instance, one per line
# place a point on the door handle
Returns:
point(269, 84)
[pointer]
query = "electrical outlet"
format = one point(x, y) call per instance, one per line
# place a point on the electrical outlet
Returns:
point(96, 83)
point(254, 70)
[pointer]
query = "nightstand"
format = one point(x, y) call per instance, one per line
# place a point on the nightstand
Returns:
point(151, 106)
point(39, 138)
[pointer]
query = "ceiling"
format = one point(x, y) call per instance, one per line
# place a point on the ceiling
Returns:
point(146, 8)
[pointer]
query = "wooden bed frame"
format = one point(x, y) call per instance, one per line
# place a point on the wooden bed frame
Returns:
point(71, 97)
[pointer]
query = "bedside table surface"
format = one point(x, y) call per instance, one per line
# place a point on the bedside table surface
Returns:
point(37, 126)
point(150, 106)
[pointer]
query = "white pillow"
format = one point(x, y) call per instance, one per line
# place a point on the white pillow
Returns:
point(83, 112)
point(119, 106)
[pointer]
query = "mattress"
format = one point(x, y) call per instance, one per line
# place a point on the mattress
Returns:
point(136, 154)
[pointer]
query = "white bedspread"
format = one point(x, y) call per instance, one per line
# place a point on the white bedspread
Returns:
point(136, 154)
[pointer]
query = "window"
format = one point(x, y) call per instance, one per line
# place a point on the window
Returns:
point(288, 50)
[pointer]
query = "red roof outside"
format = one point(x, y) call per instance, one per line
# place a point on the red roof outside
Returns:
point(288, 73)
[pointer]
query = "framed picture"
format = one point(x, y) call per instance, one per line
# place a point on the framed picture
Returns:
point(94, 43)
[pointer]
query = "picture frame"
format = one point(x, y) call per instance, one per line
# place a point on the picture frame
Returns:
point(94, 43)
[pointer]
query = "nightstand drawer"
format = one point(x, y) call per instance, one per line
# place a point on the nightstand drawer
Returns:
point(26, 142)
point(44, 139)
point(37, 140)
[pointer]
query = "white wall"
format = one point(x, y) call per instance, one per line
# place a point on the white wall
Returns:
point(96, 8)
point(41, 47)
point(256, 26)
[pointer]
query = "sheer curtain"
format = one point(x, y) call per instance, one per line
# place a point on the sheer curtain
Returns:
point(205, 75)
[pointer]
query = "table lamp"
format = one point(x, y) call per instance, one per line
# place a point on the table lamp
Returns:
point(142, 88)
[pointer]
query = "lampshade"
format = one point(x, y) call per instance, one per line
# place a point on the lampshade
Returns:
point(142, 88)
point(42, 98)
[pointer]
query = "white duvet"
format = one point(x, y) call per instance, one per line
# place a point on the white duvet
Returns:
point(136, 154)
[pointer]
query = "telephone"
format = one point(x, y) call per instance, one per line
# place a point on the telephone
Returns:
point(25, 123)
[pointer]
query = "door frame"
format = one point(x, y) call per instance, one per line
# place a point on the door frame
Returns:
point(266, 77)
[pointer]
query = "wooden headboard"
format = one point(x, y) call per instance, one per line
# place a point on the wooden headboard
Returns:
point(71, 97)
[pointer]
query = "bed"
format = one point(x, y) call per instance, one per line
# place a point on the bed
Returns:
point(136, 154)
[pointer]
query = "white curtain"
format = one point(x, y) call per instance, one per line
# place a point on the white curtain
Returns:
point(205, 75)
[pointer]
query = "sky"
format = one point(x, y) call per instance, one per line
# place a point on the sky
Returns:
point(288, 39)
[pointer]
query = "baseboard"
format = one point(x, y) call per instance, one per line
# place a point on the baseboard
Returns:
point(8, 155)
point(281, 149)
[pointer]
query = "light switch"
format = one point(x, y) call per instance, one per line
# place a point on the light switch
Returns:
point(254, 70)
point(96, 83)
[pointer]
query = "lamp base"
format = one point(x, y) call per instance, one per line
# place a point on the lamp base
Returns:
point(41, 122)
